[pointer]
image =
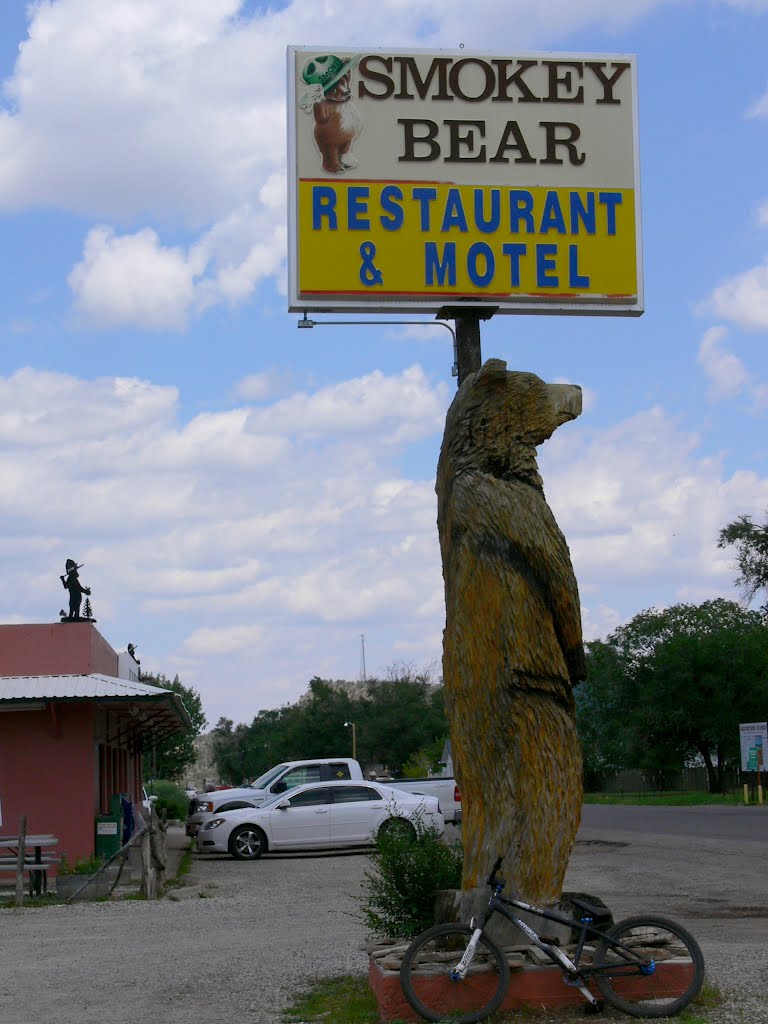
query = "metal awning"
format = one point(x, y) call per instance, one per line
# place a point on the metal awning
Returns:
point(146, 713)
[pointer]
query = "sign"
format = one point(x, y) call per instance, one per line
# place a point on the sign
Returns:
point(753, 737)
point(106, 828)
point(422, 179)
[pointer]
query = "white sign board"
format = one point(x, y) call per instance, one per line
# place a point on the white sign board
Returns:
point(421, 179)
point(753, 735)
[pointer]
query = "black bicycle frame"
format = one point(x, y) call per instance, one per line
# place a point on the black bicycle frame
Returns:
point(498, 904)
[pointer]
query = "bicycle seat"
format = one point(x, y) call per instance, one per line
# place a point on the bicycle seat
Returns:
point(597, 913)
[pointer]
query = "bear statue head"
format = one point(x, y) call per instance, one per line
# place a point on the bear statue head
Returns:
point(497, 419)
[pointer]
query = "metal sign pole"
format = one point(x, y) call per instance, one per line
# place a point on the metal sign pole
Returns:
point(467, 320)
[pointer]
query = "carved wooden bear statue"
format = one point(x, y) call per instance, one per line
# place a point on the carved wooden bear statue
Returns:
point(513, 642)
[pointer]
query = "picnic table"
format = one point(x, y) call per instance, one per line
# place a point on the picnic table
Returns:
point(35, 863)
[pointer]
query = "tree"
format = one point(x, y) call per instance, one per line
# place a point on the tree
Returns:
point(314, 727)
point(400, 716)
point(751, 542)
point(425, 760)
point(393, 719)
point(673, 684)
point(599, 717)
point(174, 755)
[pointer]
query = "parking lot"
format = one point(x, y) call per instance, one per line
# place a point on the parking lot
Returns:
point(263, 930)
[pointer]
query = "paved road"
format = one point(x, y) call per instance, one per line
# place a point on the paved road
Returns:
point(265, 929)
point(747, 823)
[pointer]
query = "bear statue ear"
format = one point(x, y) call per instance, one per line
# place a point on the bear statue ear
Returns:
point(493, 367)
point(492, 374)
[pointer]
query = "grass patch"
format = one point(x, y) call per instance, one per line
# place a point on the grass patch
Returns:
point(29, 901)
point(710, 997)
point(345, 1000)
point(665, 799)
point(185, 866)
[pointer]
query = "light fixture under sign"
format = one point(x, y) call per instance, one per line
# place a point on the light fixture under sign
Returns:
point(306, 322)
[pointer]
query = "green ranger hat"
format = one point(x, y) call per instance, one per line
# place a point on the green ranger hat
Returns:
point(322, 73)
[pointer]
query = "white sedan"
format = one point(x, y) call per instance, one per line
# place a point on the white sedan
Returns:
point(319, 815)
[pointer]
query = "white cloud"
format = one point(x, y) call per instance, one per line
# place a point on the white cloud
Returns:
point(598, 622)
point(725, 370)
point(257, 387)
point(207, 641)
point(758, 6)
point(133, 280)
point(743, 299)
point(407, 403)
point(129, 106)
point(759, 108)
point(248, 548)
point(642, 510)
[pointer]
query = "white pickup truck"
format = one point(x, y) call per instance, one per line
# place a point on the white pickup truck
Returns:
point(288, 774)
point(283, 776)
point(445, 789)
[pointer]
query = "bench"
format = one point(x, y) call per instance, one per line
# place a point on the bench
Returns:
point(35, 863)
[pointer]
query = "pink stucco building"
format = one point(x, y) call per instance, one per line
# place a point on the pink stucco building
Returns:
point(74, 721)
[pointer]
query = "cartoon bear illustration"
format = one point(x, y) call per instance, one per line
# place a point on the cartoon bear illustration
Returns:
point(513, 641)
point(337, 119)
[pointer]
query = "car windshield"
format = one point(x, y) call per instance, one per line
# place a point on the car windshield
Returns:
point(264, 780)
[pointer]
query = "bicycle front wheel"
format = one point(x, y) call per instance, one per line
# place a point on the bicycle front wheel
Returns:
point(430, 982)
point(656, 970)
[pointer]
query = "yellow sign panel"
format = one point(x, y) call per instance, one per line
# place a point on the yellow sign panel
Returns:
point(525, 198)
point(414, 240)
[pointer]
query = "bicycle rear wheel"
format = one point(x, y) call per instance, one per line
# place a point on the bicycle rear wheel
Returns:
point(428, 984)
point(658, 974)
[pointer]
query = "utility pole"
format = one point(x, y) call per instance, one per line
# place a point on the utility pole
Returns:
point(354, 740)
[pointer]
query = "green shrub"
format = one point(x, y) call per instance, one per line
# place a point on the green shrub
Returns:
point(170, 798)
point(410, 868)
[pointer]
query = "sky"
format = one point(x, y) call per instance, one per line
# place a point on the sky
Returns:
point(249, 501)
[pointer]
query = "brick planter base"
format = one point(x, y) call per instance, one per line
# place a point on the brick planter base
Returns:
point(541, 987)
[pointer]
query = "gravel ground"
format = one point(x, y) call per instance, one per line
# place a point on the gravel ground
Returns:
point(264, 930)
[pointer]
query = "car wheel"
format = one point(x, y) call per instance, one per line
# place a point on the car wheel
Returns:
point(397, 827)
point(247, 843)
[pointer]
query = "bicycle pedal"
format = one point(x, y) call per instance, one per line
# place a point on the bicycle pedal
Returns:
point(594, 1007)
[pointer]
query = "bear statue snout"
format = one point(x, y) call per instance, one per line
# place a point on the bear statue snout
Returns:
point(566, 400)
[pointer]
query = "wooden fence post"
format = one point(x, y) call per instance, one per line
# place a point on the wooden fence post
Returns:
point(148, 882)
point(20, 861)
point(158, 845)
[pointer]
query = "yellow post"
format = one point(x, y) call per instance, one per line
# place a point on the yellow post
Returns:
point(746, 793)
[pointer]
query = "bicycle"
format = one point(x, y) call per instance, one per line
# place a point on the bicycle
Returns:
point(646, 966)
